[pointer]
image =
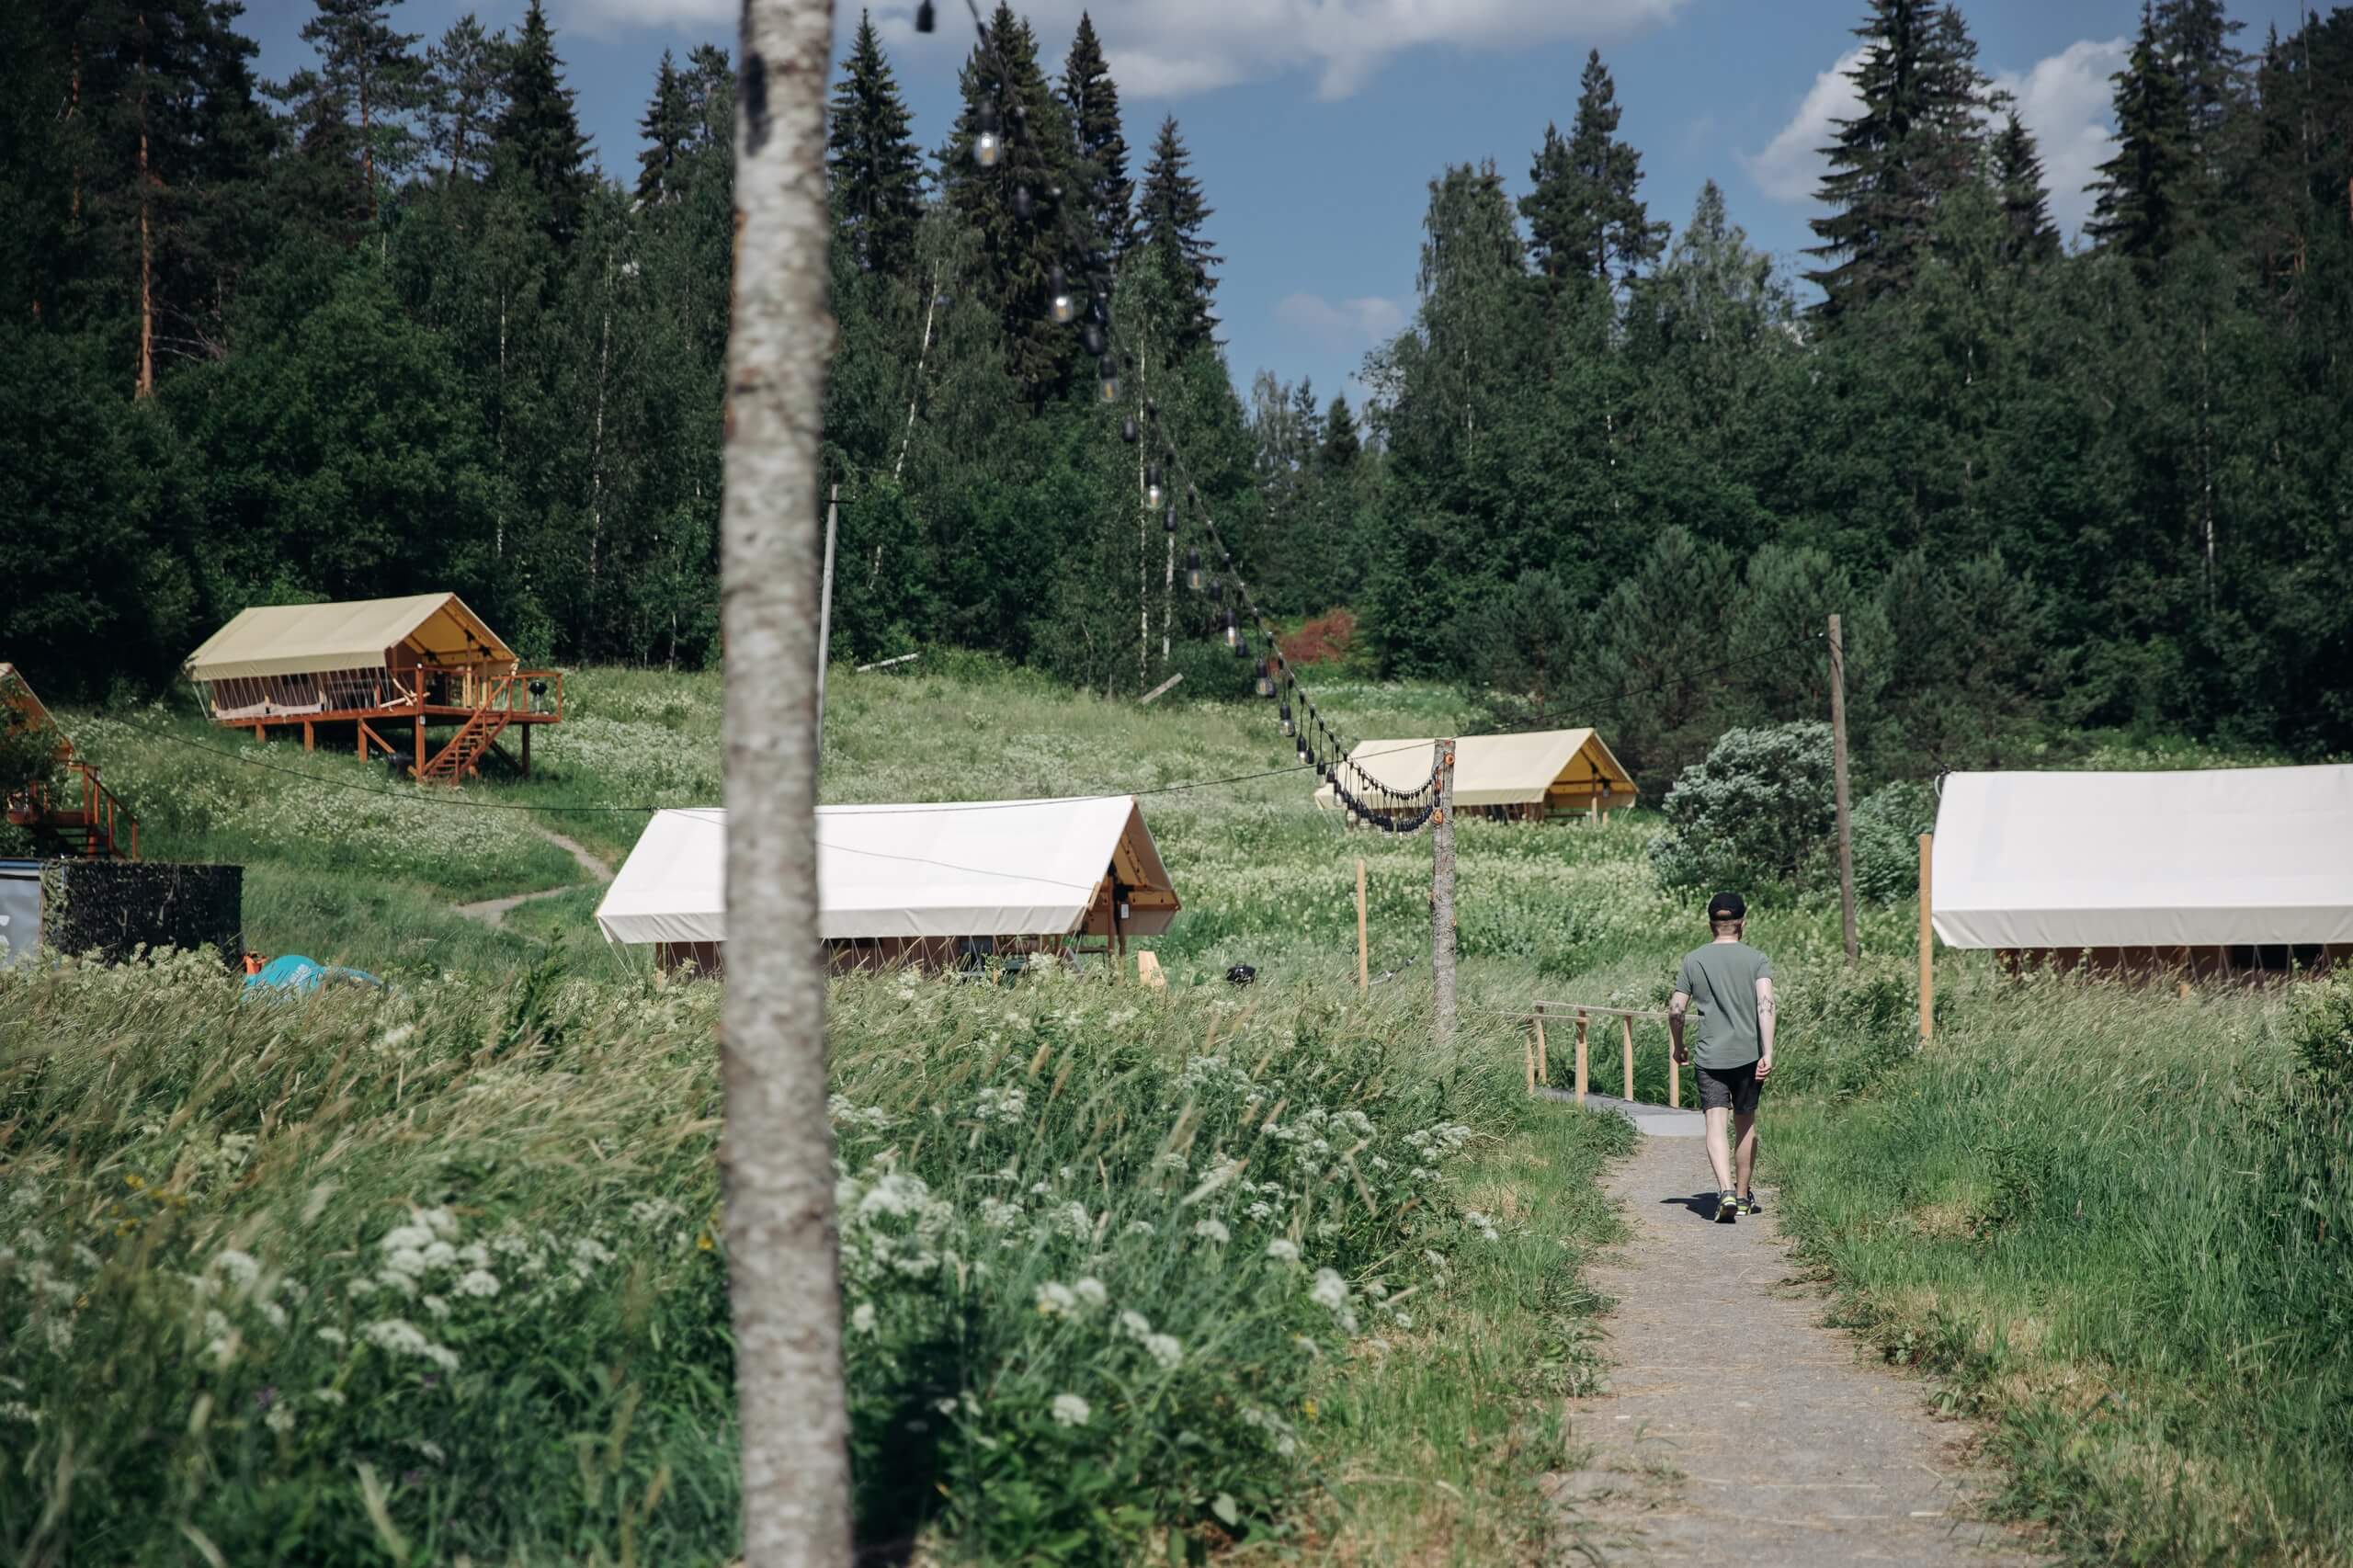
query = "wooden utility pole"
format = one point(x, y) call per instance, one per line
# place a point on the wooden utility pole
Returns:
point(1442, 893)
point(825, 606)
point(783, 1268)
point(1927, 943)
point(1838, 774)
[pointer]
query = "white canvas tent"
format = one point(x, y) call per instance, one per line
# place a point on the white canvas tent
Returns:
point(1532, 774)
point(920, 881)
point(2168, 864)
point(271, 661)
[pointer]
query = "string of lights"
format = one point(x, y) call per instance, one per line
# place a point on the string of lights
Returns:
point(1318, 744)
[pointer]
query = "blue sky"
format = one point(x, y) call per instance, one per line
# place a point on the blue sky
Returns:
point(1316, 125)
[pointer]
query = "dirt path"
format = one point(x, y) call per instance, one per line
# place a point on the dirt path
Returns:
point(1738, 1429)
point(494, 911)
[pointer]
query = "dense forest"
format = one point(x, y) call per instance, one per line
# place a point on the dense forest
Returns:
point(388, 326)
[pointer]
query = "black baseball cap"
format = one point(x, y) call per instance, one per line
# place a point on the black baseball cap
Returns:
point(1727, 906)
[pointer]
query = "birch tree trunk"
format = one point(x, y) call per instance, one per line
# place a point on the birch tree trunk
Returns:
point(781, 1244)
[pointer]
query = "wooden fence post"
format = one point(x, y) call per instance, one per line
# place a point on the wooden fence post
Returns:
point(1528, 1053)
point(1543, 1067)
point(1581, 1062)
point(1927, 943)
point(1629, 1022)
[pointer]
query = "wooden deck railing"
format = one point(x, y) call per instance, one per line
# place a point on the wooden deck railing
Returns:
point(106, 830)
point(1580, 1014)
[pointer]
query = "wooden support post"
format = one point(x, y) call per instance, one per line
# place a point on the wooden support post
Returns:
point(361, 736)
point(1629, 1022)
point(420, 744)
point(1543, 1062)
point(527, 750)
point(1927, 942)
point(1442, 895)
point(309, 736)
point(1527, 1051)
point(1839, 778)
point(1364, 959)
point(1581, 1059)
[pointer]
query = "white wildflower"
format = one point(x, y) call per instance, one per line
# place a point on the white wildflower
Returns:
point(480, 1282)
point(1056, 1300)
point(333, 1336)
point(1282, 1249)
point(240, 1266)
point(406, 1238)
point(861, 1318)
point(405, 1339)
point(440, 1222)
point(1213, 1229)
point(437, 1306)
point(1329, 1289)
point(1090, 1290)
point(18, 1410)
point(275, 1313)
point(1139, 1228)
point(1070, 1410)
point(897, 1195)
point(280, 1419)
point(996, 1214)
point(1262, 1210)
point(327, 1396)
point(1164, 1349)
point(1134, 1323)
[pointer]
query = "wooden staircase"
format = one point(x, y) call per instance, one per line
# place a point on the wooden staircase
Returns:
point(461, 755)
point(86, 821)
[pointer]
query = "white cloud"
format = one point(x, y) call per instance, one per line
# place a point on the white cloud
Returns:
point(2063, 99)
point(1791, 166)
point(1348, 325)
point(1163, 49)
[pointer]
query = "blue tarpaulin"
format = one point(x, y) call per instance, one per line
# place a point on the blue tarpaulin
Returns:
point(294, 975)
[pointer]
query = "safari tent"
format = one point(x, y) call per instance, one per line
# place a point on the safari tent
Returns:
point(1535, 775)
point(935, 886)
point(388, 669)
point(2218, 873)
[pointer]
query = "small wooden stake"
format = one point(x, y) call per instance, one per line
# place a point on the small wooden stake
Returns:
point(1364, 963)
point(1630, 1059)
point(1543, 1066)
point(1928, 942)
point(1580, 1059)
point(1528, 1053)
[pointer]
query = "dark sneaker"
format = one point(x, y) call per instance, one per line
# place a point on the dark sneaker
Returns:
point(1748, 1205)
point(1727, 1205)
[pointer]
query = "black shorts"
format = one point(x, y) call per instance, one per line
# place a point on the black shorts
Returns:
point(1733, 1088)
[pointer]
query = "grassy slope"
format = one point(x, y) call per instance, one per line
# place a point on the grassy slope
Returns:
point(2050, 1209)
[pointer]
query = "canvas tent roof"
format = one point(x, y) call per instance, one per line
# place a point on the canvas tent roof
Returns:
point(352, 634)
point(1497, 770)
point(2221, 857)
point(964, 868)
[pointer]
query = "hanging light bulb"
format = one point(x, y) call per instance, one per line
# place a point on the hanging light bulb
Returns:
point(1150, 479)
point(1303, 751)
point(1169, 523)
point(1282, 718)
point(1091, 337)
point(1110, 379)
point(1241, 650)
point(926, 19)
point(1152, 411)
point(1128, 431)
point(1059, 304)
point(1217, 590)
point(987, 145)
point(1233, 631)
point(1193, 574)
point(1264, 685)
point(1023, 204)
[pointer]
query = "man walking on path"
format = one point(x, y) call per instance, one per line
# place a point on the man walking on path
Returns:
point(1732, 982)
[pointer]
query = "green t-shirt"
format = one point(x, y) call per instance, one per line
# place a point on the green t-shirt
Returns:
point(1722, 979)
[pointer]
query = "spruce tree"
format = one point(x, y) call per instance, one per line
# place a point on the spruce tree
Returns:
point(1583, 213)
point(667, 126)
point(2141, 189)
point(1913, 138)
point(876, 171)
point(1340, 441)
point(366, 69)
point(466, 79)
point(538, 146)
point(2016, 171)
point(1169, 216)
point(1093, 99)
point(1017, 254)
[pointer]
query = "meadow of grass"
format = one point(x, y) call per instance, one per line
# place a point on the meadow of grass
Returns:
point(432, 1273)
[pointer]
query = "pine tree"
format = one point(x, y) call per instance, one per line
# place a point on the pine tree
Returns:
point(1018, 254)
point(1915, 138)
point(466, 78)
point(368, 69)
point(1340, 442)
point(1093, 99)
point(1169, 218)
point(667, 126)
point(2212, 72)
point(2142, 188)
point(1583, 213)
point(2017, 173)
point(539, 144)
point(876, 171)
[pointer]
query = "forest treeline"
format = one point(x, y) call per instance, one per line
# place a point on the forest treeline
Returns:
point(389, 325)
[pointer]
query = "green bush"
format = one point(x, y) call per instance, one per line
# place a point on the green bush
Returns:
point(1753, 814)
point(1887, 825)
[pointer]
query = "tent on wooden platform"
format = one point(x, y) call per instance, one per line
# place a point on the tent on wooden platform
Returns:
point(934, 886)
point(2222, 873)
point(1534, 776)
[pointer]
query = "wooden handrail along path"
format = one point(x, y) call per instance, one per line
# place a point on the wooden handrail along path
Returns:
point(1582, 1014)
